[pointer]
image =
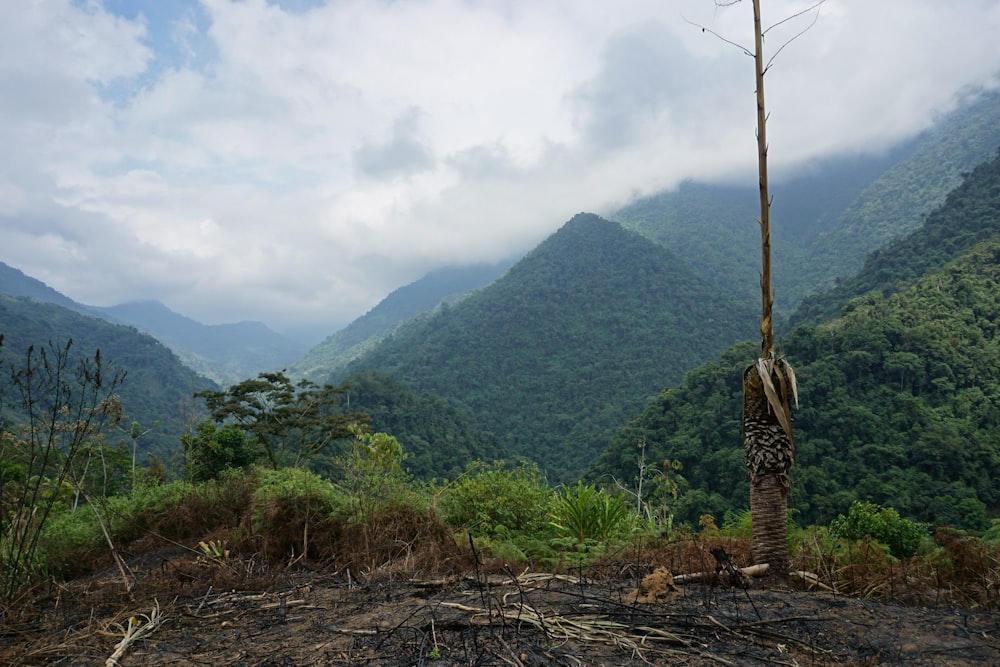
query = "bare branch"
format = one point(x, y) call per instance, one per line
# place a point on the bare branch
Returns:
point(802, 32)
point(793, 16)
point(717, 35)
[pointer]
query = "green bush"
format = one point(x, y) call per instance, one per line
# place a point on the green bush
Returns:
point(495, 501)
point(882, 524)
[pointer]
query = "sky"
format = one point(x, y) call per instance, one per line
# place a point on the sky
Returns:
point(294, 161)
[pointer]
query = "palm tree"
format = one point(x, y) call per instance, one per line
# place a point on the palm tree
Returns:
point(768, 383)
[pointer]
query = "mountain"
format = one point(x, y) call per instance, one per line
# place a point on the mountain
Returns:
point(825, 220)
point(226, 353)
point(158, 391)
point(900, 394)
point(14, 282)
point(424, 295)
point(968, 216)
point(561, 349)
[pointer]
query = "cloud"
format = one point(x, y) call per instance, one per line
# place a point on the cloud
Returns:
point(296, 161)
point(403, 154)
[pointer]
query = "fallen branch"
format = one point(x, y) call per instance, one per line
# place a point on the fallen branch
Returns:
point(710, 577)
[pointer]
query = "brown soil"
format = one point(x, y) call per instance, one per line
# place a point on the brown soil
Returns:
point(238, 611)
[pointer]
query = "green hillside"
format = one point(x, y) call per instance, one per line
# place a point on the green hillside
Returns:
point(420, 296)
point(900, 396)
point(970, 214)
point(824, 221)
point(158, 388)
point(440, 439)
point(574, 338)
point(226, 353)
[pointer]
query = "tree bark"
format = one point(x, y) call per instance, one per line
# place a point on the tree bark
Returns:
point(769, 455)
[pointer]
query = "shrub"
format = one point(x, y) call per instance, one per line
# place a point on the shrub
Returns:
point(882, 524)
point(291, 503)
point(496, 500)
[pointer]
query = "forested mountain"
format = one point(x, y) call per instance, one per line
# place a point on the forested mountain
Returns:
point(573, 339)
point(158, 388)
point(226, 353)
point(900, 396)
point(420, 296)
point(824, 221)
point(971, 214)
point(440, 440)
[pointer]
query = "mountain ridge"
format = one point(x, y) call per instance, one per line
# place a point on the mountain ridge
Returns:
point(566, 327)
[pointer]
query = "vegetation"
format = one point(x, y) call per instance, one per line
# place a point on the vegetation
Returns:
point(825, 220)
point(970, 215)
point(290, 424)
point(573, 339)
point(159, 388)
point(66, 409)
point(409, 301)
point(441, 439)
point(899, 408)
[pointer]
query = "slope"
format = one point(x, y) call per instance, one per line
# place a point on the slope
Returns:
point(420, 296)
point(574, 338)
point(158, 388)
point(969, 215)
point(900, 396)
point(226, 353)
point(439, 439)
point(825, 220)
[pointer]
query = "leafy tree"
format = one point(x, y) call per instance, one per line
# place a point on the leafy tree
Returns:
point(291, 423)
point(213, 450)
point(373, 472)
point(882, 524)
point(496, 500)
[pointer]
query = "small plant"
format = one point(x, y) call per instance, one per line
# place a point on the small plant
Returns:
point(586, 513)
point(214, 549)
point(135, 628)
point(882, 524)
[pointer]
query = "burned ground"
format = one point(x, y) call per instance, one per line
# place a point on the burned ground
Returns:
point(187, 607)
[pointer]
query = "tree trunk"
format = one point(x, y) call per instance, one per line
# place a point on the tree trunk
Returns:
point(769, 455)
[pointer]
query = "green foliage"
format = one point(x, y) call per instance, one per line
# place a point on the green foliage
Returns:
point(970, 214)
point(586, 513)
point(289, 506)
point(440, 286)
point(373, 473)
point(214, 450)
point(883, 524)
point(158, 387)
point(293, 488)
point(75, 533)
point(291, 423)
point(898, 406)
point(495, 500)
point(441, 440)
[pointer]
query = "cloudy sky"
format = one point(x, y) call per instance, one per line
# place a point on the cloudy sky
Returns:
point(293, 161)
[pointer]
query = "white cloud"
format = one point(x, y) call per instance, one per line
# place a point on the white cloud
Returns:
point(294, 162)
